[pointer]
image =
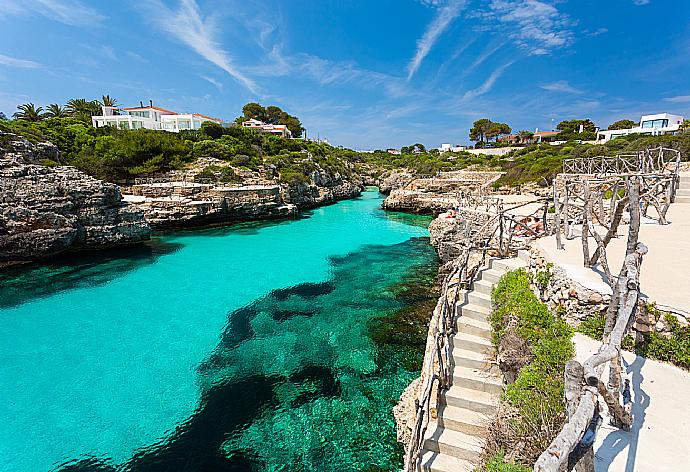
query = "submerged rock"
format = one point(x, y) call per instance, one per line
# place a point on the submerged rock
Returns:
point(48, 210)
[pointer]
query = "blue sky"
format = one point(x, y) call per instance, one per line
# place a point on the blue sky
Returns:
point(365, 74)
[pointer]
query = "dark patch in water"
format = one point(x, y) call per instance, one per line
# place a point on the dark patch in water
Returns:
point(284, 315)
point(70, 271)
point(90, 464)
point(196, 445)
point(306, 290)
point(324, 378)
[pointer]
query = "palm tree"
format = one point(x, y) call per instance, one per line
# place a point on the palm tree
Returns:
point(524, 136)
point(55, 111)
point(108, 101)
point(29, 112)
point(83, 109)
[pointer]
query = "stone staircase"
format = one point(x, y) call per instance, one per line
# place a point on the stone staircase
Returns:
point(454, 443)
point(683, 192)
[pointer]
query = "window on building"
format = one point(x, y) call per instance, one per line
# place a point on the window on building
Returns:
point(124, 125)
point(655, 124)
point(185, 124)
point(140, 113)
point(137, 124)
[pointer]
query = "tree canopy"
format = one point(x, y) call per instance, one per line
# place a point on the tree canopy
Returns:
point(623, 124)
point(273, 115)
point(573, 126)
point(483, 130)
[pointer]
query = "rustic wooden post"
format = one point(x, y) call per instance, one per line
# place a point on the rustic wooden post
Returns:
point(557, 217)
point(634, 206)
point(585, 225)
point(566, 216)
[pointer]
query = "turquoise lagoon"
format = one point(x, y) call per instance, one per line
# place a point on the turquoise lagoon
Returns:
point(246, 347)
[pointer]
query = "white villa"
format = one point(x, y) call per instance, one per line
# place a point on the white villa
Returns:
point(279, 130)
point(447, 147)
point(149, 117)
point(654, 125)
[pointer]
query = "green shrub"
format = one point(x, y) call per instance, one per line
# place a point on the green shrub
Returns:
point(497, 463)
point(537, 393)
point(48, 163)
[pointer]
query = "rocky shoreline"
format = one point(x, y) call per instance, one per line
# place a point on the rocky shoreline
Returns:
point(47, 211)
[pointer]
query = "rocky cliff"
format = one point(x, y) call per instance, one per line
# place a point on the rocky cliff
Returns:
point(46, 211)
point(196, 196)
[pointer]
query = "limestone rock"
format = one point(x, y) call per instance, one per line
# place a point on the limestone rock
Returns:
point(45, 211)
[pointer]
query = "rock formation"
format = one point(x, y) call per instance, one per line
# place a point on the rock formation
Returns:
point(45, 211)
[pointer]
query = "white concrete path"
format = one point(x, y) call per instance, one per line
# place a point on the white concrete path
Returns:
point(660, 437)
point(665, 273)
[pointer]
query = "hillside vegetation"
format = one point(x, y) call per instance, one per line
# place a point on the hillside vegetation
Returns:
point(119, 155)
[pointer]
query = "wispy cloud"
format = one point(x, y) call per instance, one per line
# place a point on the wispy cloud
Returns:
point(641, 2)
point(489, 51)
point(216, 83)
point(137, 57)
point(70, 12)
point(536, 26)
point(14, 62)
point(561, 86)
point(188, 26)
point(678, 99)
point(488, 83)
point(445, 15)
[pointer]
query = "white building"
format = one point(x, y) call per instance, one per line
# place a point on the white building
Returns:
point(446, 147)
point(654, 125)
point(149, 117)
point(278, 130)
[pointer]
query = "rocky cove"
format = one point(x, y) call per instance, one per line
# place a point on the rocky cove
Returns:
point(46, 211)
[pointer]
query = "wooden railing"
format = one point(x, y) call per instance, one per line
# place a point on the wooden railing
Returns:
point(583, 383)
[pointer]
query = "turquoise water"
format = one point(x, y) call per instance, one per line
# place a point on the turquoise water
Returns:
point(247, 347)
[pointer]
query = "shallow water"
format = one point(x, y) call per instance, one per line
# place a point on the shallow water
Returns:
point(246, 347)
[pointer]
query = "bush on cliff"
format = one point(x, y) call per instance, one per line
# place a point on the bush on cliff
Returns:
point(536, 396)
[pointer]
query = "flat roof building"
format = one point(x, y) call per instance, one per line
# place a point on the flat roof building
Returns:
point(651, 125)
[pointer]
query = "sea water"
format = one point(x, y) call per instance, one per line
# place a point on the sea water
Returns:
point(246, 347)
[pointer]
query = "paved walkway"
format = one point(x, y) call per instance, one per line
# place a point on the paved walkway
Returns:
point(665, 273)
point(659, 439)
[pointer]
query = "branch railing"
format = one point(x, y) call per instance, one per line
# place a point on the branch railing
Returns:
point(583, 383)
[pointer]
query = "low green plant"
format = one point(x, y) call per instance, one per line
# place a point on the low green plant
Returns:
point(537, 393)
point(497, 463)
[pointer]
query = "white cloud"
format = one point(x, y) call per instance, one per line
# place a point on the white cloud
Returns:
point(536, 26)
point(70, 12)
point(14, 62)
point(678, 99)
point(561, 86)
point(446, 14)
point(214, 82)
point(483, 56)
point(187, 25)
point(488, 83)
point(641, 2)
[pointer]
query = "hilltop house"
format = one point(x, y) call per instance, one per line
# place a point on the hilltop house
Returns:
point(393, 151)
point(447, 147)
point(654, 125)
point(149, 117)
point(278, 130)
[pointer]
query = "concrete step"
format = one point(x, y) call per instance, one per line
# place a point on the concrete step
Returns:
point(491, 275)
point(464, 420)
point(682, 200)
point(481, 328)
point(483, 286)
point(473, 311)
point(481, 299)
point(469, 399)
point(683, 192)
point(454, 443)
point(472, 343)
point(472, 359)
point(507, 264)
point(435, 462)
point(478, 379)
